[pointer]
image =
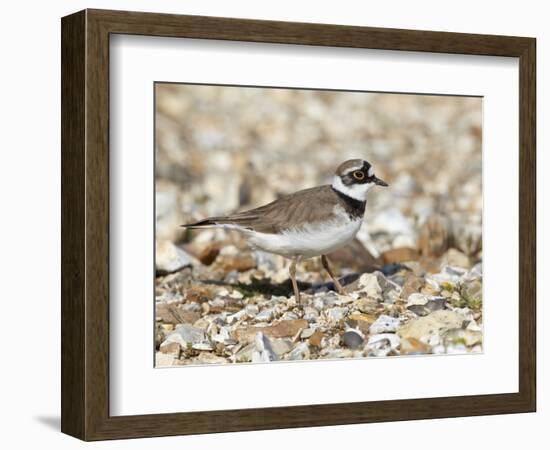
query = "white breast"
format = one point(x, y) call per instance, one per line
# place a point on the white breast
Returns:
point(309, 240)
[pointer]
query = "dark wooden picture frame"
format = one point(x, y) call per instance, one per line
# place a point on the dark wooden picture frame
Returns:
point(85, 224)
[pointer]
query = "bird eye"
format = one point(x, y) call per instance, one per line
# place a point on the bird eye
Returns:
point(358, 175)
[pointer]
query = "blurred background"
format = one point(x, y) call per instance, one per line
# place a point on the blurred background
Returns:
point(221, 149)
point(415, 264)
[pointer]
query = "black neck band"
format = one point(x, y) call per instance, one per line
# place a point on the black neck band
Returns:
point(357, 206)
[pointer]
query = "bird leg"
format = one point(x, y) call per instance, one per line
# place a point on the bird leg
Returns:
point(292, 273)
point(326, 265)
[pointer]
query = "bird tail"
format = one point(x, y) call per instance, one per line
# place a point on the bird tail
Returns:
point(205, 223)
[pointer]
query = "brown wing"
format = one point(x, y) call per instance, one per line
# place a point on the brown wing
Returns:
point(286, 212)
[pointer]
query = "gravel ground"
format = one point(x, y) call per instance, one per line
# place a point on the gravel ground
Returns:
point(413, 276)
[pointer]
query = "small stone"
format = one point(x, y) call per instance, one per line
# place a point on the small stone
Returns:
point(352, 339)
point(236, 295)
point(284, 328)
point(473, 326)
point(473, 290)
point(460, 336)
point(281, 346)
point(222, 335)
point(412, 346)
point(188, 336)
point(248, 312)
point(263, 350)
point(430, 328)
point(209, 358)
point(199, 294)
point(361, 321)
point(417, 299)
point(310, 314)
point(289, 315)
point(209, 253)
point(382, 344)
point(169, 258)
point(307, 333)
point(167, 313)
point(170, 347)
point(447, 274)
point(333, 353)
point(435, 303)
point(385, 324)
point(367, 305)
point(266, 315)
point(325, 300)
point(316, 338)
point(413, 284)
point(335, 315)
point(245, 353)
point(301, 351)
point(169, 297)
point(370, 284)
point(202, 324)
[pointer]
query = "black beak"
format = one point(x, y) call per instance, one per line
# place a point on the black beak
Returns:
point(380, 182)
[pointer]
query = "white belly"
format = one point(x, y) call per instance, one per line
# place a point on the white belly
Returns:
point(308, 241)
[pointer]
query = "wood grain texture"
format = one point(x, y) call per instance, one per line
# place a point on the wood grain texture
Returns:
point(85, 224)
point(73, 270)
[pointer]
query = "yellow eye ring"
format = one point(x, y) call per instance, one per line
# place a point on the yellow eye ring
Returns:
point(358, 175)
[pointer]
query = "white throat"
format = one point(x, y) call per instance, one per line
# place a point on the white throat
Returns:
point(356, 191)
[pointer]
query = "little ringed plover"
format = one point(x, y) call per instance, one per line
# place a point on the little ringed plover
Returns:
point(311, 222)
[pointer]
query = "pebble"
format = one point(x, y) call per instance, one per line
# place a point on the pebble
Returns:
point(353, 339)
point(335, 315)
point(382, 344)
point(429, 329)
point(189, 336)
point(263, 350)
point(265, 315)
point(209, 358)
point(413, 346)
point(417, 299)
point(448, 274)
point(301, 351)
point(284, 328)
point(316, 338)
point(281, 346)
point(170, 347)
point(412, 284)
point(370, 284)
point(461, 336)
point(385, 324)
point(307, 333)
point(169, 258)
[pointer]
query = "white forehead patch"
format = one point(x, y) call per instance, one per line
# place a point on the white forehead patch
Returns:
point(371, 171)
point(351, 169)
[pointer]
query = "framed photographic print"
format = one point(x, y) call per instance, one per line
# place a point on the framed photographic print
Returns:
point(271, 224)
